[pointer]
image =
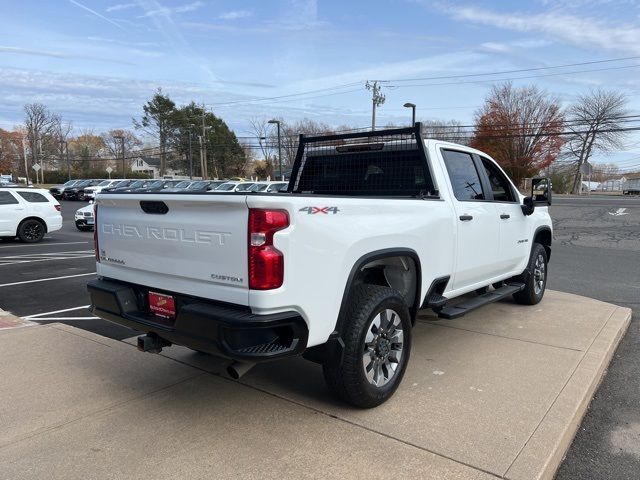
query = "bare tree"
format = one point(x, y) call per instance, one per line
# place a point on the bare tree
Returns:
point(290, 134)
point(448, 130)
point(114, 140)
point(520, 128)
point(596, 121)
point(262, 130)
point(86, 148)
point(605, 171)
point(39, 123)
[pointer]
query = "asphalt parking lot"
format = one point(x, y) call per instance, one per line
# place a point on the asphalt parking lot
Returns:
point(596, 253)
point(46, 282)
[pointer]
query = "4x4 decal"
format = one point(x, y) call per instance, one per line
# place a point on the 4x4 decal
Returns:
point(315, 210)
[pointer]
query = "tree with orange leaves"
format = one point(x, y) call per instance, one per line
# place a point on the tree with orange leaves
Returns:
point(519, 128)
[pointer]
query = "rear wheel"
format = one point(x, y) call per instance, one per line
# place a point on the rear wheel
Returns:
point(377, 342)
point(31, 231)
point(534, 278)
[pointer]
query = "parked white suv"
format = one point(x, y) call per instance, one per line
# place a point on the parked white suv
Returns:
point(28, 214)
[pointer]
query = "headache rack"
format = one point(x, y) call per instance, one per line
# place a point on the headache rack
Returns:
point(390, 162)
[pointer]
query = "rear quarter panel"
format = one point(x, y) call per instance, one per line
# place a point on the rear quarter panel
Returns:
point(320, 249)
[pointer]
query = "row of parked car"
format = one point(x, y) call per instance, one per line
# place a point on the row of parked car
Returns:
point(84, 216)
point(85, 190)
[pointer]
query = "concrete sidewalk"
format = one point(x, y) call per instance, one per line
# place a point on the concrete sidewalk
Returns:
point(498, 393)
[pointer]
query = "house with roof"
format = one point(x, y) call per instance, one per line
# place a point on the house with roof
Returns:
point(151, 166)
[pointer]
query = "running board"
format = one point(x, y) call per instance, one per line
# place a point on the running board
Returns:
point(456, 311)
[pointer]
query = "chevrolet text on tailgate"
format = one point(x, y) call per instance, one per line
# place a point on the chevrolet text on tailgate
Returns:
point(373, 227)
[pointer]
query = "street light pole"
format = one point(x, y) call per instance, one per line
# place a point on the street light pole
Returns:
point(412, 106)
point(277, 122)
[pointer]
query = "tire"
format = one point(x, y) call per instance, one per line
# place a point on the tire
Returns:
point(534, 277)
point(31, 231)
point(366, 377)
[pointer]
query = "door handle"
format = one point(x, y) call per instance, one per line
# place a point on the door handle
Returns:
point(504, 216)
point(466, 218)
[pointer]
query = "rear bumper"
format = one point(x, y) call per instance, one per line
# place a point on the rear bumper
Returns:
point(225, 330)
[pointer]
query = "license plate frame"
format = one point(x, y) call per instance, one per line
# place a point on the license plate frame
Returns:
point(162, 305)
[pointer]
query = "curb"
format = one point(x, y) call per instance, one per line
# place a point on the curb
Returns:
point(9, 321)
point(542, 455)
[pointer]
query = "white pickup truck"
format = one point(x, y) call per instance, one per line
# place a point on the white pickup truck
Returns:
point(373, 227)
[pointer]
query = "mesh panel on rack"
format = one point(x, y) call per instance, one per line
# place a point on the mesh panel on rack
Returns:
point(385, 163)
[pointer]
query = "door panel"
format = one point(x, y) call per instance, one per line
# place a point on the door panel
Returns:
point(478, 245)
point(514, 241)
point(10, 212)
point(478, 227)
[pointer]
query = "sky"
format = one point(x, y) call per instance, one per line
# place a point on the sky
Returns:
point(96, 62)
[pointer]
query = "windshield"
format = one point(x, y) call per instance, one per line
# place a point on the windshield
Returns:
point(243, 187)
point(156, 184)
point(258, 187)
point(104, 183)
point(69, 183)
point(137, 184)
point(197, 185)
point(225, 187)
point(182, 184)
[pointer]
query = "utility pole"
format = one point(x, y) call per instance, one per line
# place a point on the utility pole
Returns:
point(277, 122)
point(377, 99)
point(39, 177)
point(201, 158)
point(64, 147)
point(121, 138)
point(26, 167)
point(190, 154)
point(204, 143)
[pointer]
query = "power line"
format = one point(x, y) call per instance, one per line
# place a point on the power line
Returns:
point(518, 78)
point(520, 70)
point(442, 77)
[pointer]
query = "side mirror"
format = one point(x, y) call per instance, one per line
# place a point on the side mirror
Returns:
point(541, 191)
point(528, 206)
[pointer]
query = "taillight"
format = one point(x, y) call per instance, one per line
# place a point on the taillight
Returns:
point(58, 207)
point(266, 263)
point(95, 232)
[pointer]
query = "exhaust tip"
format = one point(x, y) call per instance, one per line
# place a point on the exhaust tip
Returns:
point(233, 373)
point(238, 369)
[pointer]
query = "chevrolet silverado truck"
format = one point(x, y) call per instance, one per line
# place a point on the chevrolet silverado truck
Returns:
point(373, 227)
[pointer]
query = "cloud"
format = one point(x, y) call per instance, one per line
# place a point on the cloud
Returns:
point(168, 11)
point(236, 14)
point(120, 6)
point(578, 31)
point(93, 12)
point(53, 54)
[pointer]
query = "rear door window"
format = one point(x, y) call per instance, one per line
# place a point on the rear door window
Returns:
point(33, 197)
point(6, 198)
point(464, 177)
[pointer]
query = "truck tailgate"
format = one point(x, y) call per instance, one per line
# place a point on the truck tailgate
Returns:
point(194, 244)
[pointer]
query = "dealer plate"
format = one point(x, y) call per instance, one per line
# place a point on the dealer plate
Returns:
point(162, 305)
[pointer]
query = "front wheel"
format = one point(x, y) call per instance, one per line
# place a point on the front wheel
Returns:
point(534, 278)
point(376, 332)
